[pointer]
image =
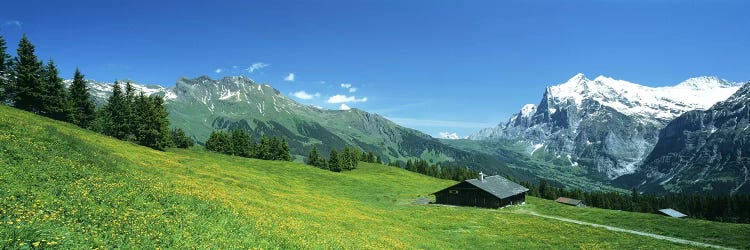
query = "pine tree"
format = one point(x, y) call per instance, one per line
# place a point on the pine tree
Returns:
point(263, 150)
point(334, 164)
point(241, 143)
point(83, 109)
point(160, 124)
point(286, 154)
point(219, 141)
point(55, 103)
point(5, 72)
point(180, 140)
point(28, 88)
point(130, 125)
point(314, 158)
point(113, 114)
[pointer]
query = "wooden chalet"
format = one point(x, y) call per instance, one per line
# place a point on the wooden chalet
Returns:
point(570, 202)
point(490, 192)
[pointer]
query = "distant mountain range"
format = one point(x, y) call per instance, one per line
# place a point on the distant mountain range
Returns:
point(604, 125)
point(202, 104)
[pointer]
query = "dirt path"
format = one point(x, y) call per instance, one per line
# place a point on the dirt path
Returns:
point(617, 229)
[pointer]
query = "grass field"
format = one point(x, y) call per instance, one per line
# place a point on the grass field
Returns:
point(63, 187)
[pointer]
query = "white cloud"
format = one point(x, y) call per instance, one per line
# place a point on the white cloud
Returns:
point(13, 23)
point(304, 95)
point(256, 66)
point(349, 86)
point(289, 78)
point(218, 71)
point(344, 107)
point(446, 135)
point(345, 99)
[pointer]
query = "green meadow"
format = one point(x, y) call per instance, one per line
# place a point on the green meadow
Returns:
point(62, 187)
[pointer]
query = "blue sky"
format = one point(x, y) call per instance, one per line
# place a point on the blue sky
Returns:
point(437, 66)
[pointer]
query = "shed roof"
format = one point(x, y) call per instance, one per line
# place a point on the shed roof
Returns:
point(498, 186)
point(672, 212)
point(569, 201)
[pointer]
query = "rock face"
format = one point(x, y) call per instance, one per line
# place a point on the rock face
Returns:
point(703, 151)
point(606, 125)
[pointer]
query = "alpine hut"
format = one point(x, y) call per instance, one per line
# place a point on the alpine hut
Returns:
point(570, 202)
point(490, 192)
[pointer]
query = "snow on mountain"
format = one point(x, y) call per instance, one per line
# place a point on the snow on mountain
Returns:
point(652, 104)
point(102, 90)
point(448, 135)
point(528, 110)
point(610, 125)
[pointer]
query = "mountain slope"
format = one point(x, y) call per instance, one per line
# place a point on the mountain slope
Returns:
point(63, 187)
point(703, 151)
point(202, 104)
point(604, 124)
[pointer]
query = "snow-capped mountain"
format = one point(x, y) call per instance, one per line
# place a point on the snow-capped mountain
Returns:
point(702, 151)
point(605, 124)
point(100, 91)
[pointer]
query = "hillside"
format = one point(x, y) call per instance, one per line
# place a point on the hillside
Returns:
point(63, 187)
point(201, 105)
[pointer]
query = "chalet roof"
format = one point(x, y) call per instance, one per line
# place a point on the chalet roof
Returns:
point(498, 186)
point(569, 201)
point(672, 213)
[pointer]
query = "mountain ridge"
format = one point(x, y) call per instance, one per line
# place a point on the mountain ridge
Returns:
point(605, 124)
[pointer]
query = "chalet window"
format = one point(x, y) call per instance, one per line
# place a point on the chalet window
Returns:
point(453, 191)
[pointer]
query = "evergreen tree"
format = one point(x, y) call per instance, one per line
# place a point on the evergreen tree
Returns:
point(113, 114)
point(130, 125)
point(314, 158)
point(180, 140)
point(28, 88)
point(334, 164)
point(83, 110)
point(345, 158)
point(263, 150)
point(5, 72)
point(286, 154)
point(55, 103)
point(241, 143)
point(160, 124)
point(219, 141)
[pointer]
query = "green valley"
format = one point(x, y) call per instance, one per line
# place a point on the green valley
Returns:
point(68, 188)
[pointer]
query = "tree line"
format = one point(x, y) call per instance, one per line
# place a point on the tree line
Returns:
point(29, 84)
point(455, 173)
point(725, 208)
point(239, 143)
point(348, 159)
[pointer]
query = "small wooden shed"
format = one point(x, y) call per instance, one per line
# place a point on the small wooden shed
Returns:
point(570, 202)
point(671, 213)
point(490, 192)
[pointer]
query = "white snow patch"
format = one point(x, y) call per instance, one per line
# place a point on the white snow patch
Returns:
point(528, 110)
point(665, 181)
point(536, 147)
point(447, 135)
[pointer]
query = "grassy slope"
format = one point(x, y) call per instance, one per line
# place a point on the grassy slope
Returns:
point(69, 188)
